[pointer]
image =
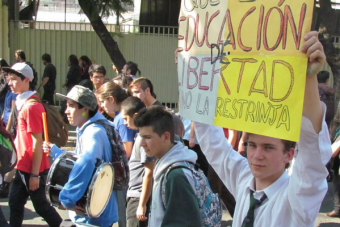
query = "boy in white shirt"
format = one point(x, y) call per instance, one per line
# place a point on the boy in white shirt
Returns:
point(285, 201)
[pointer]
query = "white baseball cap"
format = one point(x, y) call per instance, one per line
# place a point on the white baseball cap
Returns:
point(20, 68)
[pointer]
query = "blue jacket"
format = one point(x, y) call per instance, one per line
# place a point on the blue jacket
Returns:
point(92, 144)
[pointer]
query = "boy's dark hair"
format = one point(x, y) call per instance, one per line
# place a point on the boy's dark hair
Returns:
point(46, 57)
point(323, 76)
point(73, 59)
point(87, 83)
point(133, 67)
point(144, 83)
point(158, 118)
point(91, 112)
point(132, 105)
point(94, 68)
point(21, 54)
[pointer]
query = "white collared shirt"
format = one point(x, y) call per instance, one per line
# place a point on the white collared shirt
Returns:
point(293, 201)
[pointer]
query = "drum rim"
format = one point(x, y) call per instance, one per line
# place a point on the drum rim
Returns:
point(50, 173)
point(90, 188)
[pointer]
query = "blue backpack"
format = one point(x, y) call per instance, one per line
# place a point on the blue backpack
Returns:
point(209, 202)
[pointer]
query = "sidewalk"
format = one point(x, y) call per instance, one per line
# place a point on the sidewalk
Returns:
point(32, 219)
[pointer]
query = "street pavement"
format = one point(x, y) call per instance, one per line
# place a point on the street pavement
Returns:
point(31, 219)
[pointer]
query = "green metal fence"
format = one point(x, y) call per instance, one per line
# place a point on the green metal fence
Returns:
point(152, 47)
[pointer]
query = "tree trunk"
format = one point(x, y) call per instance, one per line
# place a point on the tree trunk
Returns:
point(326, 19)
point(109, 43)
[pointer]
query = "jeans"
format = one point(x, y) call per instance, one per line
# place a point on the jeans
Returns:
point(121, 199)
point(3, 222)
point(48, 96)
point(131, 208)
point(19, 195)
point(336, 184)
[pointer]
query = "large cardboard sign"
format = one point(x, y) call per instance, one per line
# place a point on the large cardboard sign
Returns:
point(240, 64)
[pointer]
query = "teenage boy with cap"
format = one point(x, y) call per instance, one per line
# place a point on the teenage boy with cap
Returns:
point(92, 145)
point(32, 166)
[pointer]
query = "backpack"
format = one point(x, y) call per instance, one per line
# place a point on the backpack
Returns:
point(57, 129)
point(209, 202)
point(8, 157)
point(120, 161)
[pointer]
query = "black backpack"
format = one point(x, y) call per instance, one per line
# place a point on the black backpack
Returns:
point(120, 161)
point(8, 157)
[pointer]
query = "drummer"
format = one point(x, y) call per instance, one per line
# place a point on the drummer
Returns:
point(92, 145)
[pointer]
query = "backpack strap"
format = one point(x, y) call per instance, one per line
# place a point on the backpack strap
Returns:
point(176, 165)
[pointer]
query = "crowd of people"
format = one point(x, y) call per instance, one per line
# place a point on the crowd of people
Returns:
point(248, 171)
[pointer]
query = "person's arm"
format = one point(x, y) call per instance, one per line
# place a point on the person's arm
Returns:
point(79, 179)
point(232, 168)
point(232, 137)
point(45, 80)
point(316, 58)
point(128, 148)
point(52, 150)
point(192, 135)
point(335, 148)
point(127, 135)
point(146, 190)
point(180, 199)
point(36, 160)
point(307, 185)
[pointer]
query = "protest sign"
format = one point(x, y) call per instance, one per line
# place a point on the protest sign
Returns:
point(240, 64)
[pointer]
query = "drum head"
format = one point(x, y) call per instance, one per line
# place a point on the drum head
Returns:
point(100, 190)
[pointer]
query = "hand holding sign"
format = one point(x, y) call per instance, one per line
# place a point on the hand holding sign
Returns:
point(241, 64)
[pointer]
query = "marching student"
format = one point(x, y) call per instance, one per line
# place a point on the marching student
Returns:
point(32, 166)
point(92, 145)
point(265, 194)
point(141, 168)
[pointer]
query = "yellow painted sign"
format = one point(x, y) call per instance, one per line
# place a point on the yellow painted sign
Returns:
point(249, 73)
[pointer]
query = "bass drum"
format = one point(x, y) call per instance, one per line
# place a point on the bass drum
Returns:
point(98, 191)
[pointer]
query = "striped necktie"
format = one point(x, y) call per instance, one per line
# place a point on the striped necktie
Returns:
point(254, 203)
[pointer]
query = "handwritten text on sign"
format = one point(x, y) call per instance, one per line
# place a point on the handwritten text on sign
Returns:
point(240, 64)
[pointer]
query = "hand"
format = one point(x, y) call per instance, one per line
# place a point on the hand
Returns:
point(34, 183)
point(79, 210)
point(314, 51)
point(140, 213)
point(47, 146)
point(192, 142)
point(61, 207)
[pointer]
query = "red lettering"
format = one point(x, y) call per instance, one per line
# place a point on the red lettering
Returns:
point(231, 30)
point(259, 29)
point(202, 73)
point(243, 62)
point(265, 30)
point(187, 34)
point(207, 29)
point(289, 17)
point(222, 76)
point(239, 40)
point(194, 71)
point(204, 30)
